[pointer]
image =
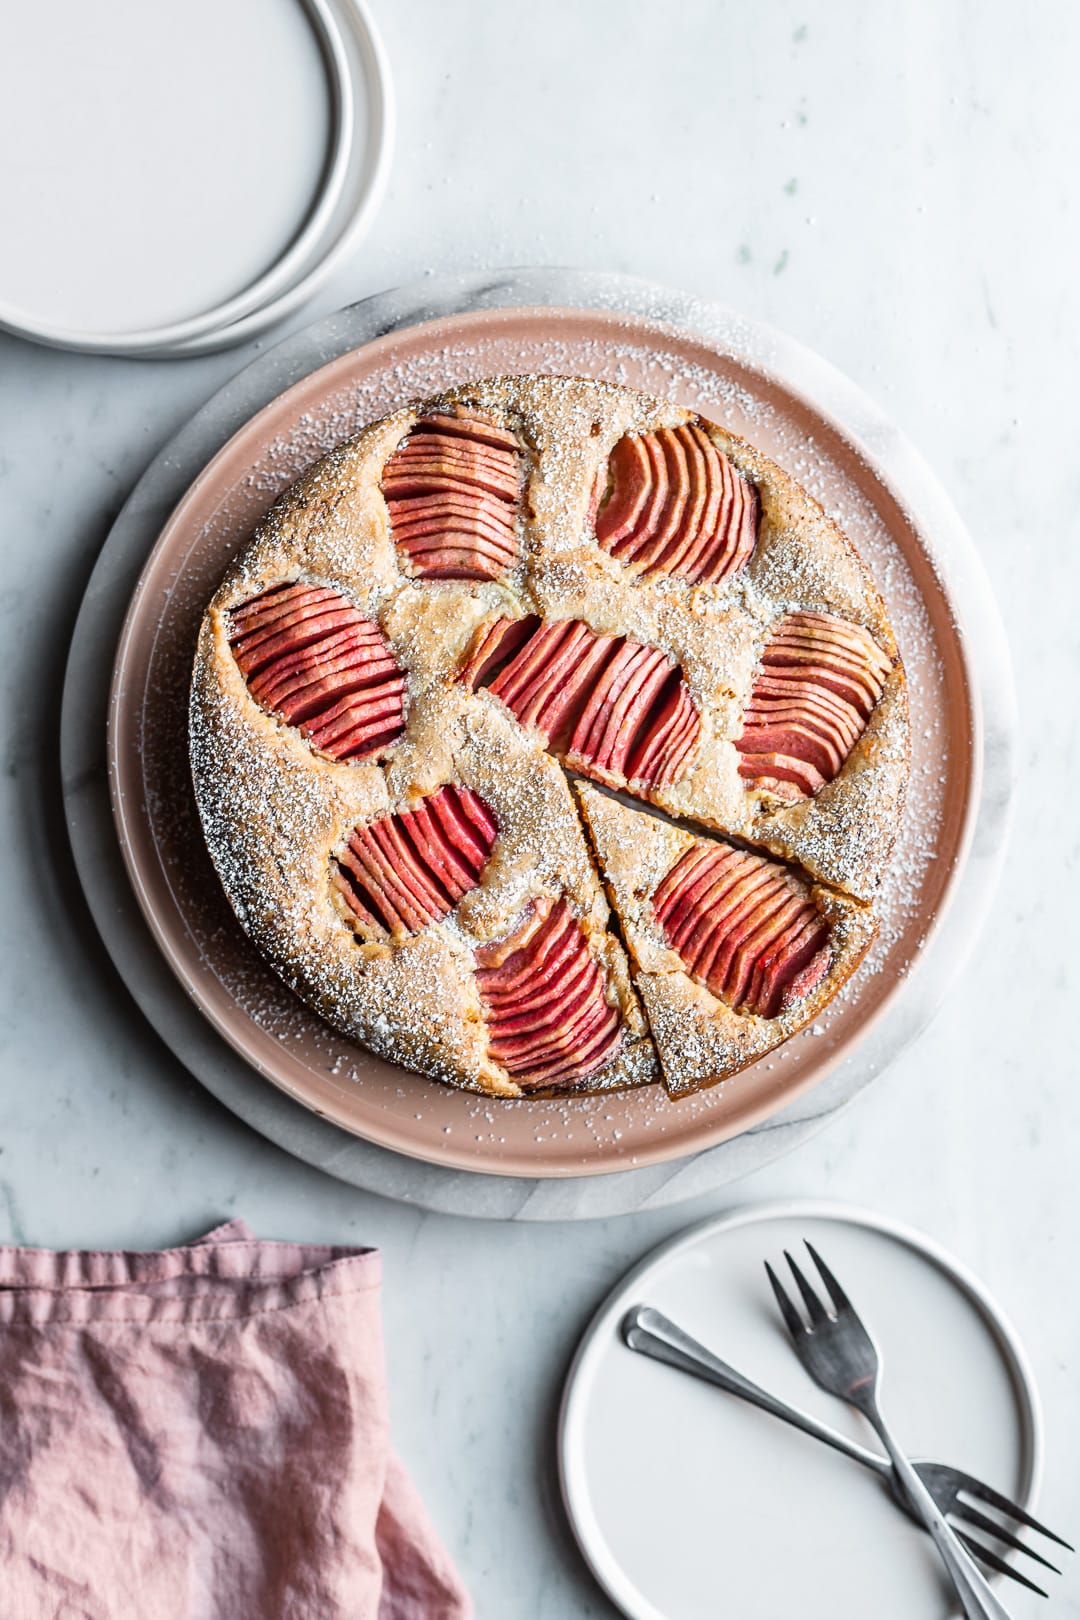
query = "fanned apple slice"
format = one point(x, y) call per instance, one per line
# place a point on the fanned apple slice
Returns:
point(727, 539)
point(623, 488)
point(310, 657)
point(453, 493)
point(607, 706)
point(476, 426)
point(704, 513)
point(731, 952)
point(497, 643)
point(652, 512)
point(541, 702)
point(655, 550)
point(628, 698)
point(542, 990)
point(400, 872)
point(670, 502)
point(816, 687)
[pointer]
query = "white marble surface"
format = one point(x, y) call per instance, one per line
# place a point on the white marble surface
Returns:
point(893, 188)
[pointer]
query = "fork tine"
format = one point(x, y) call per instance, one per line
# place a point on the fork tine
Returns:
point(836, 1293)
point(992, 1559)
point(816, 1309)
point(975, 1487)
point(982, 1521)
point(787, 1310)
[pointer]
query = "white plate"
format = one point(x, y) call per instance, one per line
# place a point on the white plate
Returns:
point(176, 180)
point(689, 1504)
point(362, 192)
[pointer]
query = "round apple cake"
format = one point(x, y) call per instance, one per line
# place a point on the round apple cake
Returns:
point(547, 738)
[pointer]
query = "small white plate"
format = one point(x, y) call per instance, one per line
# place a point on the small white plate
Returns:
point(689, 1504)
point(176, 179)
point(362, 189)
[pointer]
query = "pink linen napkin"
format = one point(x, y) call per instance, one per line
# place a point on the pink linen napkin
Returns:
point(202, 1434)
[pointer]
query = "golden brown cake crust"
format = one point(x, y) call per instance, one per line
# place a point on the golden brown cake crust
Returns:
point(701, 1041)
point(274, 811)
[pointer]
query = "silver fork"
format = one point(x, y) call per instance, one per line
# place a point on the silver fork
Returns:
point(842, 1358)
point(652, 1334)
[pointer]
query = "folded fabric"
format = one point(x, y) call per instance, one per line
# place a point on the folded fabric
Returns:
point(202, 1434)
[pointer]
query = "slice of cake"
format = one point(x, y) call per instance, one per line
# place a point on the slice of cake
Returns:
point(732, 951)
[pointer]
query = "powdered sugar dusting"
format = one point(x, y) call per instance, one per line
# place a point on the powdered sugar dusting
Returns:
point(617, 1123)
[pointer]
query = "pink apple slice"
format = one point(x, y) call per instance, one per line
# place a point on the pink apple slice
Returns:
point(649, 518)
point(306, 652)
point(771, 917)
point(628, 713)
point(705, 905)
point(773, 953)
point(603, 695)
point(566, 703)
point(403, 871)
point(534, 708)
point(805, 947)
point(631, 473)
point(666, 735)
point(807, 979)
point(694, 509)
point(516, 682)
point(543, 996)
point(756, 889)
point(783, 768)
point(495, 645)
point(649, 552)
point(670, 890)
point(472, 425)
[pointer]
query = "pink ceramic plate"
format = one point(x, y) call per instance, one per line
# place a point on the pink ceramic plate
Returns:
point(159, 831)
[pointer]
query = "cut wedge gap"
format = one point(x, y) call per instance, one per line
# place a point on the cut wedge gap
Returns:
point(731, 951)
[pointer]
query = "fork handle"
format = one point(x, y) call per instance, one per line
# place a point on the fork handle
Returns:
point(977, 1598)
point(653, 1334)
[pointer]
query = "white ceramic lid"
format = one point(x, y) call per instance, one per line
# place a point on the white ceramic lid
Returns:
point(175, 178)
